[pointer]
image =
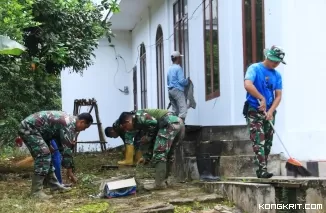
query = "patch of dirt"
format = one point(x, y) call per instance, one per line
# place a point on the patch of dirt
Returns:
point(15, 188)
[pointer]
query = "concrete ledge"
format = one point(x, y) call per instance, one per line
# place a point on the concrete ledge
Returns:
point(301, 190)
point(218, 147)
point(302, 181)
point(236, 132)
point(247, 196)
point(232, 166)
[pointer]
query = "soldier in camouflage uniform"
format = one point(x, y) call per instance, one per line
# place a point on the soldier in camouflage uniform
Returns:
point(116, 131)
point(37, 130)
point(264, 91)
point(169, 130)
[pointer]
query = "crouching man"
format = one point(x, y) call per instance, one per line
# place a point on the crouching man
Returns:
point(43, 126)
point(130, 140)
point(169, 129)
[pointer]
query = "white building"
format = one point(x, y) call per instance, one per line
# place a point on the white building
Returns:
point(219, 39)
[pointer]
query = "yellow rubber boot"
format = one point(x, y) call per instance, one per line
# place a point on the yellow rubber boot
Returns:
point(129, 156)
point(138, 156)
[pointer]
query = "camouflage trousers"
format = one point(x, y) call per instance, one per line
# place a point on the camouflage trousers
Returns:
point(167, 139)
point(137, 139)
point(261, 135)
point(38, 148)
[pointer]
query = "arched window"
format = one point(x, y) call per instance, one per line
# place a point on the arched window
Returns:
point(181, 42)
point(160, 69)
point(143, 77)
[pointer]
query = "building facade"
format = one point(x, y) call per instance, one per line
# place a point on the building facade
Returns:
point(219, 40)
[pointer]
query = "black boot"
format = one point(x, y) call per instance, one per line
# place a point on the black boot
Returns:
point(169, 178)
point(37, 188)
point(262, 173)
point(52, 181)
point(160, 175)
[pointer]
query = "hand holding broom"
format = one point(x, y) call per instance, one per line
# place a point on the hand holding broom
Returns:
point(292, 164)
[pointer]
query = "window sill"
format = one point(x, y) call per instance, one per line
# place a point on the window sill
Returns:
point(213, 95)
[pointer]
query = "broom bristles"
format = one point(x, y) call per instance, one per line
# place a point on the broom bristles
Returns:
point(297, 169)
point(27, 162)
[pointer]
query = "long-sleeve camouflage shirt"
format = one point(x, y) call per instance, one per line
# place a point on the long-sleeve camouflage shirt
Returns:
point(146, 120)
point(58, 125)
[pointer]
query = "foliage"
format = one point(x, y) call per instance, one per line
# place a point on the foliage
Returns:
point(58, 34)
point(67, 35)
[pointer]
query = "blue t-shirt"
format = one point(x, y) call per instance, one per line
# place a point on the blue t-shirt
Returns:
point(266, 82)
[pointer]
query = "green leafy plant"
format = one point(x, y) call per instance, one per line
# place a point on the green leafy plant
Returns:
point(57, 34)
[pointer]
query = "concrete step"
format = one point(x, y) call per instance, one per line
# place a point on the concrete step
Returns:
point(192, 133)
point(232, 166)
point(247, 196)
point(218, 147)
point(302, 195)
point(239, 132)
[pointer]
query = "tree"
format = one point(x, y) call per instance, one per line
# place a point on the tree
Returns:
point(58, 34)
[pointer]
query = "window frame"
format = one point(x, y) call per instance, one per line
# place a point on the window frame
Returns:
point(160, 68)
point(215, 92)
point(180, 30)
point(143, 76)
point(253, 18)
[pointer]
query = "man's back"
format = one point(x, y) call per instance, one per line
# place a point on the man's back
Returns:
point(175, 77)
point(157, 113)
point(48, 123)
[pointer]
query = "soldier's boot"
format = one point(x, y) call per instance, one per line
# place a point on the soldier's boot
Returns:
point(129, 156)
point(169, 178)
point(37, 188)
point(138, 156)
point(262, 173)
point(54, 184)
point(160, 175)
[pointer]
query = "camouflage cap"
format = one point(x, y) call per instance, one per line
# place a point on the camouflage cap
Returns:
point(275, 53)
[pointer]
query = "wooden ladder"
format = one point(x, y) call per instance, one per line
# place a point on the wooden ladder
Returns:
point(78, 103)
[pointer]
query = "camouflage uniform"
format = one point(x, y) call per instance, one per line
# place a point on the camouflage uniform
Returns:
point(133, 138)
point(261, 134)
point(170, 130)
point(37, 130)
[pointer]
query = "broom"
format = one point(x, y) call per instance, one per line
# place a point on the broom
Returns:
point(292, 164)
point(27, 162)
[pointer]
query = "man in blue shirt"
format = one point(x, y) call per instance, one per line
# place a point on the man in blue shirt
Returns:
point(263, 83)
point(176, 86)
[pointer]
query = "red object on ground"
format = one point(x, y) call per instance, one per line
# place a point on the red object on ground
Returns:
point(19, 141)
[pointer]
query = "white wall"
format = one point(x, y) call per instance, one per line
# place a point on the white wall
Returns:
point(300, 35)
point(295, 26)
point(228, 107)
point(304, 78)
point(100, 81)
point(159, 13)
